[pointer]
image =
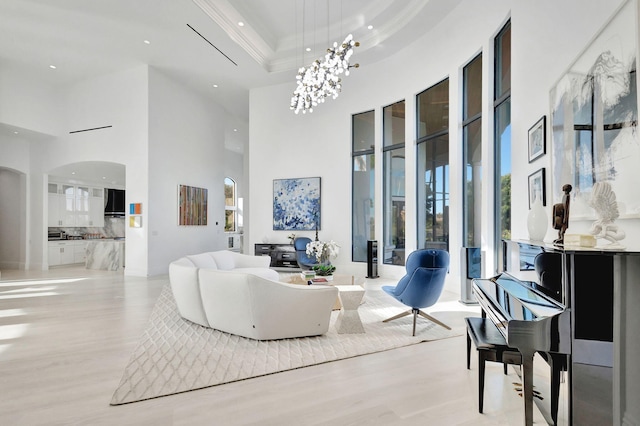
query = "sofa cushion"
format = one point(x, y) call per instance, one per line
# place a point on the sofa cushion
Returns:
point(266, 273)
point(204, 260)
point(225, 259)
point(250, 306)
point(183, 276)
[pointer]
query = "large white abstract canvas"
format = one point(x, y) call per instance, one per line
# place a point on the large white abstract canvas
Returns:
point(594, 113)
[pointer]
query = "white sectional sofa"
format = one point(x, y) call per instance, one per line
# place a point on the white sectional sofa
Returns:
point(239, 294)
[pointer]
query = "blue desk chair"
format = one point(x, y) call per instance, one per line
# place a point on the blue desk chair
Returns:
point(422, 285)
point(304, 260)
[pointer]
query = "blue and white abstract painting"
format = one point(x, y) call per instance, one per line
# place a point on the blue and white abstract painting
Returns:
point(296, 204)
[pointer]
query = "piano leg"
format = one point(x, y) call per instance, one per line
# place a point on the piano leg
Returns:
point(557, 365)
point(527, 381)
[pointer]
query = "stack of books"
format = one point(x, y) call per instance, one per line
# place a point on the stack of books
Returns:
point(308, 275)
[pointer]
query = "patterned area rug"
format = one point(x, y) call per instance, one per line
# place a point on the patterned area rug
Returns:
point(175, 355)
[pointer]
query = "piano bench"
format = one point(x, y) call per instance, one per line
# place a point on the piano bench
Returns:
point(491, 346)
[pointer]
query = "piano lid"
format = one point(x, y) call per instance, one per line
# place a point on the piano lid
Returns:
point(516, 300)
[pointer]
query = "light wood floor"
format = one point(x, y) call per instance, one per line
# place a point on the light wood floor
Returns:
point(67, 334)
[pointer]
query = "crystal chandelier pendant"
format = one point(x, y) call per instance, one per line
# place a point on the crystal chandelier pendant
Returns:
point(321, 79)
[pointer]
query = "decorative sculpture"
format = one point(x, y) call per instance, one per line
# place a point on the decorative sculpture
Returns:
point(603, 200)
point(560, 216)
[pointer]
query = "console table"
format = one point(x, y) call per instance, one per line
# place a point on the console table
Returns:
point(282, 255)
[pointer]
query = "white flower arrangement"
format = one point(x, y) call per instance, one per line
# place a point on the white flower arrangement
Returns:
point(322, 250)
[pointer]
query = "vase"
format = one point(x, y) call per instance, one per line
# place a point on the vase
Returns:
point(537, 221)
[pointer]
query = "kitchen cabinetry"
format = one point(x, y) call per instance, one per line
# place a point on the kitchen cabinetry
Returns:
point(96, 207)
point(82, 205)
point(71, 205)
point(61, 253)
point(61, 205)
point(67, 252)
point(80, 251)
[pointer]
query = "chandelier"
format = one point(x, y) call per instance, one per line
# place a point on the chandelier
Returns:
point(321, 79)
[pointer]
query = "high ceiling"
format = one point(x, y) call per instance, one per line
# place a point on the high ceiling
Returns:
point(200, 42)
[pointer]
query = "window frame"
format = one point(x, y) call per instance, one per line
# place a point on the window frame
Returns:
point(500, 99)
point(233, 208)
point(423, 141)
point(387, 153)
point(369, 154)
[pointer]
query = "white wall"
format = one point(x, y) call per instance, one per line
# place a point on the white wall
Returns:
point(28, 102)
point(33, 105)
point(537, 64)
point(14, 167)
point(150, 114)
point(119, 100)
point(163, 133)
point(546, 37)
point(285, 145)
point(186, 146)
point(12, 219)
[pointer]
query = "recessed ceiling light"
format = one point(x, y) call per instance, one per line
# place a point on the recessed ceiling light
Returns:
point(370, 27)
point(147, 42)
point(308, 49)
point(241, 24)
point(215, 85)
point(15, 132)
point(53, 67)
point(104, 177)
point(235, 130)
point(73, 173)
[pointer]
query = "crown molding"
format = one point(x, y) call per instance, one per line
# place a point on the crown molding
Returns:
point(225, 15)
point(285, 57)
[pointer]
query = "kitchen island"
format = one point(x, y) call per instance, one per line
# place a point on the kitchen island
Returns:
point(105, 254)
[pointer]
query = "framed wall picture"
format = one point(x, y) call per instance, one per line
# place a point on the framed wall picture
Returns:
point(593, 121)
point(537, 187)
point(538, 139)
point(192, 205)
point(296, 204)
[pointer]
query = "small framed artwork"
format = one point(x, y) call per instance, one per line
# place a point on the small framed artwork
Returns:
point(538, 139)
point(537, 187)
point(135, 208)
point(192, 205)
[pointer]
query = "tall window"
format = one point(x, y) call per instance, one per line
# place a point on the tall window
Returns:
point(230, 205)
point(472, 151)
point(393, 183)
point(433, 166)
point(363, 197)
point(502, 136)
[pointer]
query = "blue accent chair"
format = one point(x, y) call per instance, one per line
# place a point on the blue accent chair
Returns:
point(304, 260)
point(422, 285)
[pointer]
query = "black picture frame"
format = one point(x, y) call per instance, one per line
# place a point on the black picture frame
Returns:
point(538, 139)
point(537, 185)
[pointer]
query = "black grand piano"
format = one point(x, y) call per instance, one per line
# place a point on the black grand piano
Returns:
point(533, 322)
point(576, 312)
